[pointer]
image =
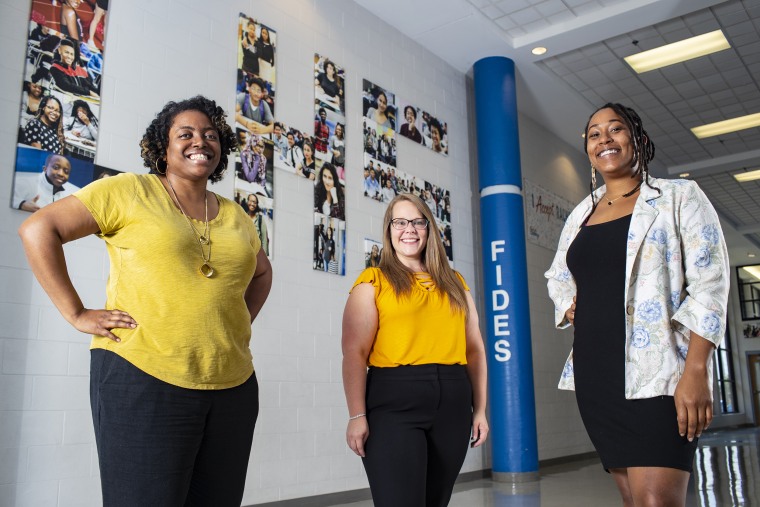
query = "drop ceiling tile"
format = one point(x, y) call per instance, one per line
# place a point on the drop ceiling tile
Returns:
point(525, 16)
point(551, 7)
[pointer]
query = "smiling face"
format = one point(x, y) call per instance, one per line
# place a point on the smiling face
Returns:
point(194, 149)
point(327, 179)
point(436, 135)
point(253, 202)
point(330, 70)
point(67, 54)
point(255, 91)
point(409, 115)
point(382, 102)
point(308, 151)
point(264, 35)
point(408, 243)
point(608, 143)
point(57, 170)
point(51, 112)
point(339, 131)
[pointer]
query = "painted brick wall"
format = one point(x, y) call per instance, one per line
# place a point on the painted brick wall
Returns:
point(166, 50)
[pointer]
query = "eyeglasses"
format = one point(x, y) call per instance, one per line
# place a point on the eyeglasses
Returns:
point(401, 223)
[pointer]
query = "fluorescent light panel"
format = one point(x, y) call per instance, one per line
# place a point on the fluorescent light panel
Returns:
point(677, 52)
point(727, 126)
point(747, 176)
point(753, 271)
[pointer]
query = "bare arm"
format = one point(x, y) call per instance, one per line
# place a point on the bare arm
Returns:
point(71, 22)
point(43, 236)
point(692, 396)
point(360, 320)
point(261, 283)
point(477, 371)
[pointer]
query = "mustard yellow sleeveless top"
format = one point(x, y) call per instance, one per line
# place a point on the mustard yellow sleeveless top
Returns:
point(420, 328)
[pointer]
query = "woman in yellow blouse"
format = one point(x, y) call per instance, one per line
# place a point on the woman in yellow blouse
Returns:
point(413, 322)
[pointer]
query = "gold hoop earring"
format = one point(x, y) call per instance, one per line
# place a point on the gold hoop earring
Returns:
point(159, 170)
point(593, 177)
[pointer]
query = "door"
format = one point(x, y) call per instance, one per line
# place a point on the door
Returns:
point(753, 361)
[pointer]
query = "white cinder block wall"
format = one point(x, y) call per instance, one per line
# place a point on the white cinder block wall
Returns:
point(167, 50)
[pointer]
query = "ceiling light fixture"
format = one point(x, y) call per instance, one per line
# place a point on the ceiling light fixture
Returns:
point(727, 126)
point(539, 50)
point(747, 176)
point(677, 52)
point(753, 271)
point(683, 175)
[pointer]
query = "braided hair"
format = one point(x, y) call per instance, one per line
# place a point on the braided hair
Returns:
point(643, 147)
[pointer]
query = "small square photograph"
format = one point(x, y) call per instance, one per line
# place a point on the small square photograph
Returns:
point(372, 251)
point(378, 105)
point(255, 164)
point(99, 172)
point(256, 51)
point(410, 124)
point(260, 208)
point(43, 177)
point(379, 142)
point(80, 126)
point(329, 192)
point(326, 123)
point(435, 134)
point(329, 245)
point(751, 330)
point(290, 154)
point(254, 104)
point(329, 84)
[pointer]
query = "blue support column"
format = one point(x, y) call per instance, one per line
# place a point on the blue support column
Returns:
point(510, 363)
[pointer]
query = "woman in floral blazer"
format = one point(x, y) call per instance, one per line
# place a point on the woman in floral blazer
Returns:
point(644, 263)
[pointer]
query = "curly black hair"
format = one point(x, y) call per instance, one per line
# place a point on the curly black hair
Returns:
point(643, 146)
point(156, 138)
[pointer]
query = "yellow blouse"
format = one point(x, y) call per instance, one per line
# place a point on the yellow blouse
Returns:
point(420, 328)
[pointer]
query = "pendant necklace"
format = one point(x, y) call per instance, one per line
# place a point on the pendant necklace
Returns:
point(203, 239)
point(627, 194)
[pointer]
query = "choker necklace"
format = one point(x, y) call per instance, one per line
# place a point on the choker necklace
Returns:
point(203, 239)
point(627, 194)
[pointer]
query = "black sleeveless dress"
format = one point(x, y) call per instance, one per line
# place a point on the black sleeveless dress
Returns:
point(625, 433)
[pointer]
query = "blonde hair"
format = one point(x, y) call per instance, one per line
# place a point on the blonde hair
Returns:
point(433, 256)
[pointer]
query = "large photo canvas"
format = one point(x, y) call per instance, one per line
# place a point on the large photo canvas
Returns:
point(60, 105)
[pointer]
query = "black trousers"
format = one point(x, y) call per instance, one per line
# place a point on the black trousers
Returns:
point(160, 445)
point(420, 418)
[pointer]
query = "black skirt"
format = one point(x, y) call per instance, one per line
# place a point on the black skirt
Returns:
point(625, 433)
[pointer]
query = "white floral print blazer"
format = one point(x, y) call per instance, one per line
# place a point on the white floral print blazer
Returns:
point(676, 283)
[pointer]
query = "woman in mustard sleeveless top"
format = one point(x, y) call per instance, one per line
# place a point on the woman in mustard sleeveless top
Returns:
point(413, 322)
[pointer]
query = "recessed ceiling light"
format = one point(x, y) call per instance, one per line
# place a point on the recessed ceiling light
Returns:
point(683, 175)
point(750, 255)
point(538, 51)
point(747, 176)
point(727, 126)
point(677, 52)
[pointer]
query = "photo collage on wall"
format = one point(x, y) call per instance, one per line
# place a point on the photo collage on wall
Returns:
point(255, 127)
point(422, 127)
point(372, 251)
point(60, 108)
point(329, 169)
point(382, 178)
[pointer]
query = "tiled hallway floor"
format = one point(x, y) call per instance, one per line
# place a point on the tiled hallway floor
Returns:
point(726, 473)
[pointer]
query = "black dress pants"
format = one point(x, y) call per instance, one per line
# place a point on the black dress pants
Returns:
point(420, 418)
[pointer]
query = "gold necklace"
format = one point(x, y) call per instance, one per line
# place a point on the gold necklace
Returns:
point(203, 239)
point(627, 194)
